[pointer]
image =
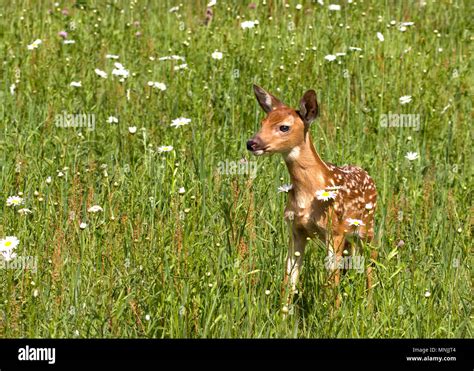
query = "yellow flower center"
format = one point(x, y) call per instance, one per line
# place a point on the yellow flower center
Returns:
point(8, 243)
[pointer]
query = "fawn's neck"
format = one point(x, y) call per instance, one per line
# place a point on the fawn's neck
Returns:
point(308, 172)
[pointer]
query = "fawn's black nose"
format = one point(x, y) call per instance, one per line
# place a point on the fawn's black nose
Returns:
point(250, 145)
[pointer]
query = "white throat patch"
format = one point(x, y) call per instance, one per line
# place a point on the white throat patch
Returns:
point(293, 154)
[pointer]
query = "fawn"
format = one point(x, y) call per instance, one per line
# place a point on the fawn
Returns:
point(325, 200)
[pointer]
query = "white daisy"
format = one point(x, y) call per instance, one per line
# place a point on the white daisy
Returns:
point(248, 24)
point(182, 191)
point(67, 42)
point(101, 73)
point(24, 211)
point(112, 120)
point(95, 209)
point(12, 89)
point(354, 48)
point(83, 225)
point(34, 44)
point(405, 99)
point(157, 85)
point(355, 222)
point(411, 156)
point(211, 3)
point(165, 149)
point(217, 55)
point(183, 66)
point(119, 66)
point(14, 201)
point(285, 188)
point(181, 121)
point(76, 84)
point(132, 129)
point(330, 57)
point(380, 36)
point(9, 243)
point(120, 70)
point(334, 7)
point(324, 195)
point(112, 56)
point(8, 255)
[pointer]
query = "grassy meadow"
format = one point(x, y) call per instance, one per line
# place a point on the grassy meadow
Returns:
point(179, 245)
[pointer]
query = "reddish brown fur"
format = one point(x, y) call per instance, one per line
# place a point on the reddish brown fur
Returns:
point(309, 217)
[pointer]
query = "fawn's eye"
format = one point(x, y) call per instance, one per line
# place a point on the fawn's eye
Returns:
point(284, 128)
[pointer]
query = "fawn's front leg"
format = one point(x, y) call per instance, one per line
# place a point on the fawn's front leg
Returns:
point(294, 262)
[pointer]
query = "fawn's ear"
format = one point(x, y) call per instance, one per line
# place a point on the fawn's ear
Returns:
point(309, 107)
point(267, 101)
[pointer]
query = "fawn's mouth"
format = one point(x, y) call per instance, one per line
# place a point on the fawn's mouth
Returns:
point(260, 151)
point(255, 146)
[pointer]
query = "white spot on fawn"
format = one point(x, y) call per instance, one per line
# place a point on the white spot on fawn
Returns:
point(293, 154)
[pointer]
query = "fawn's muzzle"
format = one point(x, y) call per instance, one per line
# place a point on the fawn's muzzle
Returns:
point(251, 145)
point(255, 146)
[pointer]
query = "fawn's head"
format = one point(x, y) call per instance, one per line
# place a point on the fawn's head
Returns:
point(283, 128)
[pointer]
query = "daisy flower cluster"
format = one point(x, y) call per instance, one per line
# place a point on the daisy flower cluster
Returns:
point(120, 71)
